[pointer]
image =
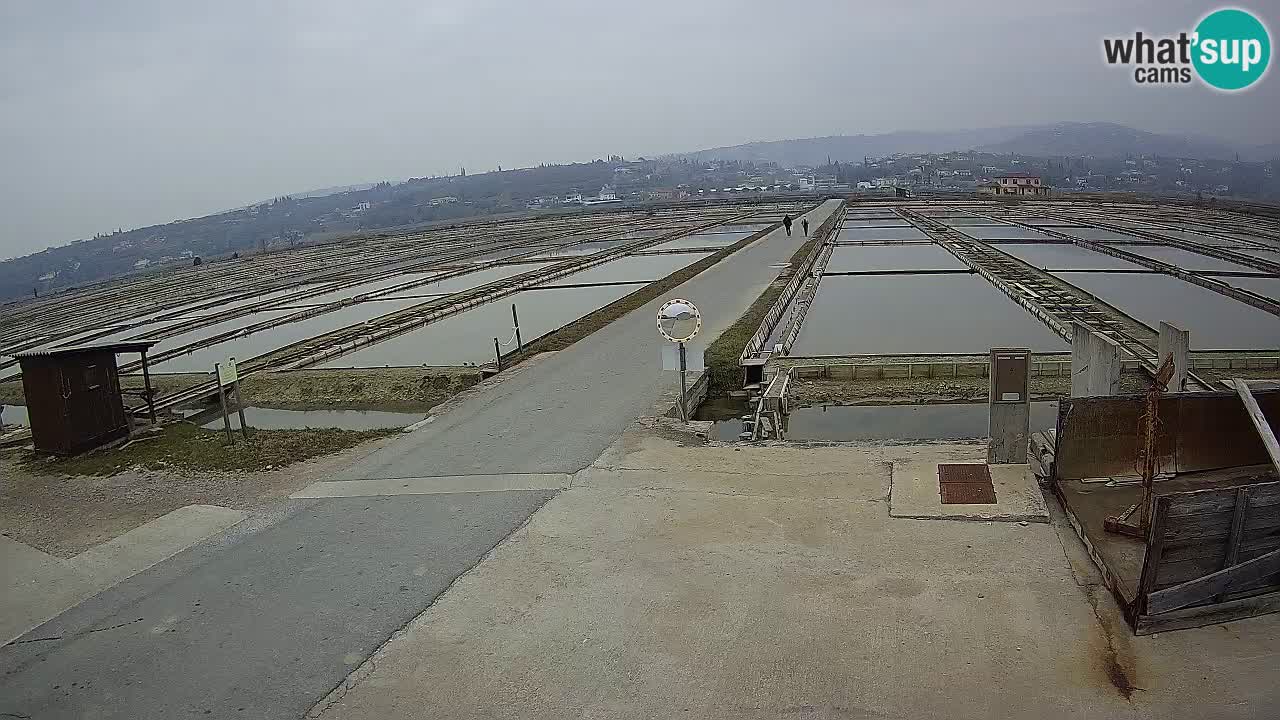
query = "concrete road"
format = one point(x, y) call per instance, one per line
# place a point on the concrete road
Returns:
point(266, 619)
point(259, 625)
point(559, 415)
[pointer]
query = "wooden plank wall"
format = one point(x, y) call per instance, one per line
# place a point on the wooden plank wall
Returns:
point(1199, 533)
point(1208, 530)
point(1100, 436)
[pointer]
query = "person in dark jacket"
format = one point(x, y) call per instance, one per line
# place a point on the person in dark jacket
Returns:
point(804, 224)
point(786, 223)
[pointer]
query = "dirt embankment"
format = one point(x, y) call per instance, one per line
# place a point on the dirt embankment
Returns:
point(408, 389)
point(902, 391)
point(895, 391)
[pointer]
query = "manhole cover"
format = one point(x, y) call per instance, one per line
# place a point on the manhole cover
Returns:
point(964, 473)
point(968, 484)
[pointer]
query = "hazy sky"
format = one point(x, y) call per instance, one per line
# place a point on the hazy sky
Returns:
point(127, 113)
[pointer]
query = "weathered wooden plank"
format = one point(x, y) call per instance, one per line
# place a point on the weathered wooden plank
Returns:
point(1232, 555)
point(1218, 524)
point(1195, 502)
point(1214, 433)
point(1263, 495)
point(1173, 573)
point(1194, 591)
point(1259, 422)
point(1237, 528)
point(1194, 549)
point(1155, 547)
point(1252, 546)
point(1207, 614)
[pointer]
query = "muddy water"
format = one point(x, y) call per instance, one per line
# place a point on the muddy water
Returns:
point(899, 314)
point(587, 248)
point(881, 233)
point(707, 239)
point(264, 341)
point(1185, 259)
point(863, 258)
point(1005, 232)
point(843, 423)
point(1100, 234)
point(902, 422)
point(1264, 286)
point(1215, 321)
point(635, 268)
point(468, 336)
point(1063, 256)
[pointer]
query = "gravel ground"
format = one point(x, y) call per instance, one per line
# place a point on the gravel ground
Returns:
point(65, 514)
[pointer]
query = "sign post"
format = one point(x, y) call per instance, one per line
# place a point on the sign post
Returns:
point(235, 388)
point(679, 321)
point(229, 376)
point(222, 398)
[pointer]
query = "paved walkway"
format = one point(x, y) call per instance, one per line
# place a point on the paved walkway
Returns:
point(263, 621)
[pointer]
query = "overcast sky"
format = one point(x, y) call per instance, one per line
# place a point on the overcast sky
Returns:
point(129, 113)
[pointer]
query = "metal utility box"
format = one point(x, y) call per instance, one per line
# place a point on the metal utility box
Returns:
point(1010, 376)
point(73, 396)
point(1010, 405)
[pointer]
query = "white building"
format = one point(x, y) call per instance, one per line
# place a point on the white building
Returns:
point(1016, 184)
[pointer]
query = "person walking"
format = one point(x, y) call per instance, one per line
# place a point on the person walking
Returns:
point(786, 223)
point(805, 225)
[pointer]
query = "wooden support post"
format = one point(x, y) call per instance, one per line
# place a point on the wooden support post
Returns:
point(222, 398)
point(1155, 548)
point(244, 426)
point(515, 320)
point(1237, 532)
point(1259, 422)
point(497, 353)
point(146, 384)
point(1175, 342)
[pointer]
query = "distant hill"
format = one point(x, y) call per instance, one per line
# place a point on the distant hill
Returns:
point(1067, 138)
point(850, 148)
point(1111, 140)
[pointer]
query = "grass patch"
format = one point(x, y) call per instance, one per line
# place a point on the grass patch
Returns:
point(722, 355)
point(184, 447)
point(572, 333)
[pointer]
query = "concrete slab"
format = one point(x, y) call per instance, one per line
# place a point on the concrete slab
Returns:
point(36, 583)
point(765, 581)
point(914, 494)
point(263, 620)
point(39, 586)
point(158, 540)
point(431, 485)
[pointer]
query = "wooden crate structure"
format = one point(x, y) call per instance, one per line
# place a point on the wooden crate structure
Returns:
point(1211, 554)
